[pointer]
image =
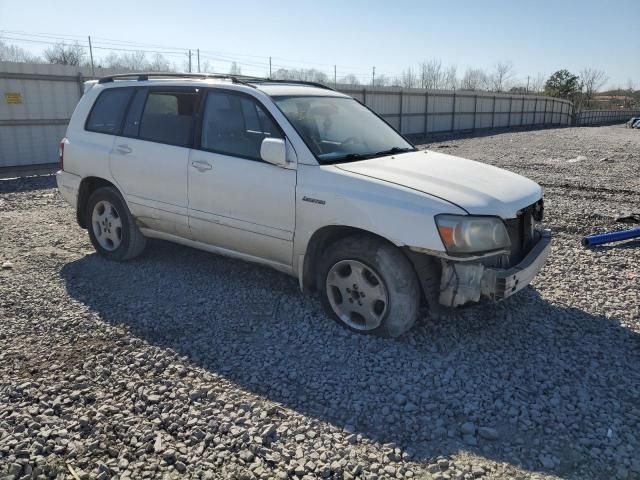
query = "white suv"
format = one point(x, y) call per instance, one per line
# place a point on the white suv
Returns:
point(304, 179)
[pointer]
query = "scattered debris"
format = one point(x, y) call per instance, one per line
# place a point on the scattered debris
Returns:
point(631, 218)
point(609, 237)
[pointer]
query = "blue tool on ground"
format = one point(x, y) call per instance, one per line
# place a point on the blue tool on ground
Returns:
point(601, 238)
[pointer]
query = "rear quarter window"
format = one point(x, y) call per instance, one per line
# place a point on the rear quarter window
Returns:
point(108, 111)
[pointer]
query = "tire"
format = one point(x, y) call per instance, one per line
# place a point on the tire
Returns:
point(112, 229)
point(369, 286)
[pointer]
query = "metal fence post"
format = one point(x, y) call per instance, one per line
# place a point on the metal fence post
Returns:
point(364, 96)
point(400, 129)
point(80, 85)
point(522, 112)
point(426, 112)
point(544, 119)
point(535, 113)
point(453, 113)
point(510, 107)
point(475, 110)
point(493, 112)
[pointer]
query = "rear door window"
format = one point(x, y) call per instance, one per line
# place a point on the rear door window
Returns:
point(168, 117)
point(108, 112)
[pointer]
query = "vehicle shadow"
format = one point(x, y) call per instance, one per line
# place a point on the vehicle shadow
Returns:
point(561, 386)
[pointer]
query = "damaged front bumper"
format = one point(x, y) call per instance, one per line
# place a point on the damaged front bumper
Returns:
point(465, 282)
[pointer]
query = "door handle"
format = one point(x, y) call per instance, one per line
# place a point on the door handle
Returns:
point(201, 166)
point(123, 149)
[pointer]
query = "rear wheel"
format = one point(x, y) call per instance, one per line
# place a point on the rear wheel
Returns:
point(112, 229)
point(369, 286)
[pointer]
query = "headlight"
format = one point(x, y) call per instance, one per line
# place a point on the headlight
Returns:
point(463, 234)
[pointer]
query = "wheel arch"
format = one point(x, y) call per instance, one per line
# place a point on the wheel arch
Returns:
point(88, 185)
point(322, 239)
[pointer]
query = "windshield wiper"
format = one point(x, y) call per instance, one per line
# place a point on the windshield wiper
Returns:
point(349, 156)
point(364, 156)
point(393, 150)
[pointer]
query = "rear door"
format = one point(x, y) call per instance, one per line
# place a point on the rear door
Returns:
point(236, 200)
point(150, 158)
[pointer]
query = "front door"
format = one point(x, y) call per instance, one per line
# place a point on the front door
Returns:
point(237, 201)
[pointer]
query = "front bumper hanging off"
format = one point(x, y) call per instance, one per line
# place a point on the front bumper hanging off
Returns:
point(465, 282)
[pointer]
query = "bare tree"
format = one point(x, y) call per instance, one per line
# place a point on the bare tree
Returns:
point(409, 78)
point(235, 69)
point(382, 81)
point(629, 100)
point(206, 67)
point(431, 74)
point(63, 54)
point(349, 79)
point(13, 53)
point(112, 60)
point(500, 75)
point(134, 61)
point(451, 78)
point(395, 82)
point(474, 79)
point(592, 81)
point(537, 83)
point(160, 64)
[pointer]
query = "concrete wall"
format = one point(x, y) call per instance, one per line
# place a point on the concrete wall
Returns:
point(33, 121)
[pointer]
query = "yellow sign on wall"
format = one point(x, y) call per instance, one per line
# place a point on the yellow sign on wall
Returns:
point(13, 98)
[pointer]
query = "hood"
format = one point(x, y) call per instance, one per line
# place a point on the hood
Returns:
point(478, 188)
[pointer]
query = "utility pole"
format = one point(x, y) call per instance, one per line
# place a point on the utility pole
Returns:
point(269, 67)
point(189, 60)
point(93, 70)
point(335, 77)
point(527, 84)
point(373, 77)
point(198, 50)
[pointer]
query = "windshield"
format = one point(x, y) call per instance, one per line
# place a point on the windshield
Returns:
point(339, 129)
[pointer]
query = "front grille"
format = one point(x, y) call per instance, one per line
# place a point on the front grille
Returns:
point(521, 231)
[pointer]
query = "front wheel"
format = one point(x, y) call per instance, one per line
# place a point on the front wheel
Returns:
point(369, 286)
point(112, 229)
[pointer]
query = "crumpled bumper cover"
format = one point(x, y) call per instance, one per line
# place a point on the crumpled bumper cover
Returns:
point(465, 282)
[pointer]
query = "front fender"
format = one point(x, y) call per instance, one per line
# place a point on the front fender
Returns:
point(328, 196)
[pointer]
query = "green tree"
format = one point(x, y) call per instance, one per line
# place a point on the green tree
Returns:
point(563, 84)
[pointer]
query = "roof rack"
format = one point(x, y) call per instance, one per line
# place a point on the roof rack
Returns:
point(243, 79)
point(144, 76)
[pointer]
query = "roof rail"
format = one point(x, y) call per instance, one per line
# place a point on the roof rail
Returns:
point(144, 76)
point(243, 79)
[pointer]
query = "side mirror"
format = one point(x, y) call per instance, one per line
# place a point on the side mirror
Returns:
point(274, 150)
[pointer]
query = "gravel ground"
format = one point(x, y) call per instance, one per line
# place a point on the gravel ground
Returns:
point(186, 364)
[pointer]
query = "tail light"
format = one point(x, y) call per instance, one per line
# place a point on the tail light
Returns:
point(61, 153)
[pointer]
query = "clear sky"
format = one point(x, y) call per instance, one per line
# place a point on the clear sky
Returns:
point(537, 36)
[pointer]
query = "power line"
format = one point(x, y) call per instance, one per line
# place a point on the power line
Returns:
point(106, 44)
